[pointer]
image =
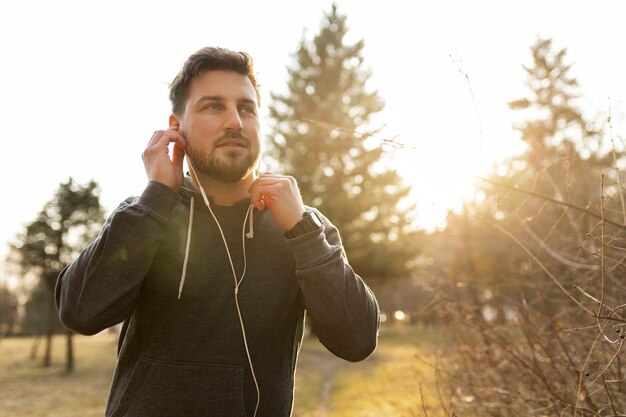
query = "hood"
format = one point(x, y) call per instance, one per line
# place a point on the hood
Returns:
point(188, 190)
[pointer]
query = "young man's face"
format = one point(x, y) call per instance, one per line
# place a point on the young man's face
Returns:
point(221, 125)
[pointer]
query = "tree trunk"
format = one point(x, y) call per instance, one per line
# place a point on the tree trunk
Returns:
point(48, 350)
point(69, 363)
point(35, 347)
point(11, 321)
point(47, 358)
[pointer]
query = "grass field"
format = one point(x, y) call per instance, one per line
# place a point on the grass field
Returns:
point(391, 382)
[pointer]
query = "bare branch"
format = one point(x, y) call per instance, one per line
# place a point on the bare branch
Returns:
point(534, 258)
point(552, 200)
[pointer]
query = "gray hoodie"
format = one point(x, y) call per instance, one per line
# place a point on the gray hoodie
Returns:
point(182, 350)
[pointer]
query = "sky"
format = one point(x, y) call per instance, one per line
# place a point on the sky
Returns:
point(84, 83)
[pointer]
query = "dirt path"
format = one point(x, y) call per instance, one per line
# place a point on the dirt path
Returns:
point(327, 365)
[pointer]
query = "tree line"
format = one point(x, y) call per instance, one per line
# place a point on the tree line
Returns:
point(313, 137)
point(527, 279)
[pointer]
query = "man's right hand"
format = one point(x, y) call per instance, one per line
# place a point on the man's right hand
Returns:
point(156, 159)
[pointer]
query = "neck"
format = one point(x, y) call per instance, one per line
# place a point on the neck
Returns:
point(224, 194)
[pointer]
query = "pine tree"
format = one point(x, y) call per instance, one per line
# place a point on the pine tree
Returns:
point(65, 225)
point(554, 123)
point(563, 158)
point(319, 135)
point(8, 311)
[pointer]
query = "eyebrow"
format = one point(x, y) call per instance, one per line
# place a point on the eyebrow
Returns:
point(220, 98)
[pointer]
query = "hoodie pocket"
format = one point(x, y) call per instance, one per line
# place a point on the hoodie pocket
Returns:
point(176, 389)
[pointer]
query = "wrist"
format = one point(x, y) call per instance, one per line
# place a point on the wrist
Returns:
point(309, 222)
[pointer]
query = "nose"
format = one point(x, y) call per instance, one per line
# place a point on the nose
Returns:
point(233, 120)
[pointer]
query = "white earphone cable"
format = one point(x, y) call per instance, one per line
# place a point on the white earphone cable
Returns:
point(249, 213)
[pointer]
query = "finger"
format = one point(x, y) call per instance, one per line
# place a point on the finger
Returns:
point(253, 190)
point(271, 175)
point(171, 135)
point(267, 201)
point(257, 202)
point(285, 180)
point(265, 195)
point(159, 145)
point(257, 198)
point(162, 144)
point(155, 137)
point(178, 156)
point(263, 185)
point(271, 179)
point(180, 141)
point(264, 202)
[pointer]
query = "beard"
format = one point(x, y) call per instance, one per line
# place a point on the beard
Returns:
point(226, 167)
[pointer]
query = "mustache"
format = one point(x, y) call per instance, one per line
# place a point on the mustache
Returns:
point(228, 136)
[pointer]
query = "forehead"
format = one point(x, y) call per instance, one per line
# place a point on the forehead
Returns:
point(229, 85)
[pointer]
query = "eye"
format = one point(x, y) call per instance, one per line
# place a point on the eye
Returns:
point(213, 107)
point(247, 110)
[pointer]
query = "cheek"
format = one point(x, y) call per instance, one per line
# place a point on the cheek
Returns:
point(252, 132)
point(200, 128)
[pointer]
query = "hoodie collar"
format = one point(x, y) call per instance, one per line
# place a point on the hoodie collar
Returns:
point(188, 190)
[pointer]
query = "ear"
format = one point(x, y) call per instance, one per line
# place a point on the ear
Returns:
point(174, 121)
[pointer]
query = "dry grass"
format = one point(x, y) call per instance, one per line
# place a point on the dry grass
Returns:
point(28, 390)
point(386, 384)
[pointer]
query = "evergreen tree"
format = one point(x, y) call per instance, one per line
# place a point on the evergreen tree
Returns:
point(549, 257)
point(65, 225)
point(558, 164)
point(563, 159)
point(554, 124)
point(8, 311)
point(314, 138)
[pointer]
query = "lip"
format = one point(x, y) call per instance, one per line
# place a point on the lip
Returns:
point(231, 143)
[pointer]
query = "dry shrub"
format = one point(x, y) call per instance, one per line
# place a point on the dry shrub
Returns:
point(534, 300)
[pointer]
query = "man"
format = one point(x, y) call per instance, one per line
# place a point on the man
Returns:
point(212, 273)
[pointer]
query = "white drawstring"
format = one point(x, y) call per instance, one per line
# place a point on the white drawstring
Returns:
point(184, 274)
point(249, 235)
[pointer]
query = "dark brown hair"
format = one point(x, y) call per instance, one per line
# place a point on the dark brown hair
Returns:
point(208, 59)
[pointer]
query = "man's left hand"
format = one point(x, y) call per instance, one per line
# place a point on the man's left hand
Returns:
point(281, 196)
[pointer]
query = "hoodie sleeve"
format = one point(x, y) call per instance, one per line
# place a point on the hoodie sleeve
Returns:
point(100, 287)
point(343, 310)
